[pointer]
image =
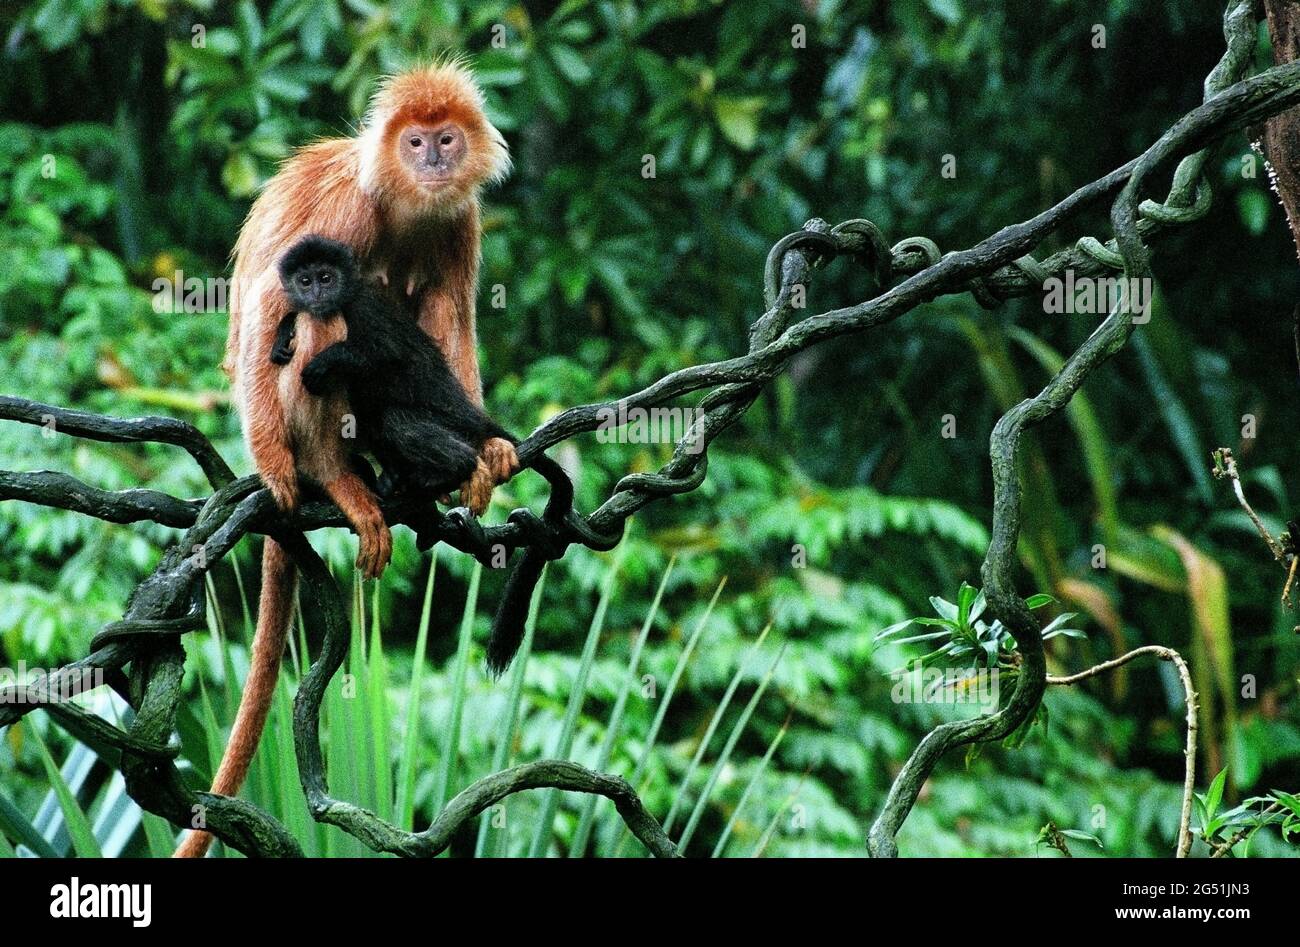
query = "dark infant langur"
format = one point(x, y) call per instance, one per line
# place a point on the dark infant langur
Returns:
point(411, 412)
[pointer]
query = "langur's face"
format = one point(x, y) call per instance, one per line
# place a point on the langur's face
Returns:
point(315, 288)
point(432, 154)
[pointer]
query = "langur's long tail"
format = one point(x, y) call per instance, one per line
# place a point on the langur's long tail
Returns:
point(274, 615)
point(512, 613)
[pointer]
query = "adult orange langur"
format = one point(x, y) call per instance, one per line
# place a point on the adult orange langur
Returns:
point(403, 195)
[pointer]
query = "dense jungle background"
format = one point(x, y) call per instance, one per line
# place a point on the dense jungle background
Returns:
point(834, 510)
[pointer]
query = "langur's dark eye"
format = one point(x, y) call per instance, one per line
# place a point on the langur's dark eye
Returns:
point(304, 280)
point(416, 142)
point(446, 139)
point(325, 279)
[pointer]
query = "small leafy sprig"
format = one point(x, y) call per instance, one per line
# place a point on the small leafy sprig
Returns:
point(967, 638)
point(1223, 830)
point(1056, 837)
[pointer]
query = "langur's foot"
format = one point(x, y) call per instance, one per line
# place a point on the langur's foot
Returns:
point(284, 488)
point(501, 459)
point(476, 492)
point(376, 547)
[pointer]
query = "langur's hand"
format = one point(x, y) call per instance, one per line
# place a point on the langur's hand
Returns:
point(282, 354)
point(315, 378)
point(500, 457)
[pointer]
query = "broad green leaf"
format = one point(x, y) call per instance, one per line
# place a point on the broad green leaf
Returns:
point(738, 119)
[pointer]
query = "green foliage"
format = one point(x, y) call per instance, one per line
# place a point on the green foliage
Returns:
point(1239, 825)
point(967, 639)
point(135, 134)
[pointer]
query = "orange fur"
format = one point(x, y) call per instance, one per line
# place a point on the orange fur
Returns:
point(351, 495)
point(419, 237)
point(313, 425)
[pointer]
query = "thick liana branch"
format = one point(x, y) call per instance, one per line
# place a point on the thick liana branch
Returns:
point(97, 427)
point(1260, 96)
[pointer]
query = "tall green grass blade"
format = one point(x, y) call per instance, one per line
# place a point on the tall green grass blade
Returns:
point(235, 567)
point(768, 832)
point(1182, 429)
point(79, 831)
point(6, 850)
point(546, 821)
point(678, 670)
point(712, 728)
point(302, 656)
point(499, 843)
point(766, 837)
point(214, 731)
point(460, 671)
point(358, 641)
point(379, 718)
point(158, 835)
point(262, 783)
point(344, 737)
point(358, 731)
point(230, 682)
point(585, 821)
point(721, 846)
point(16, 825)
point(282, 765)
point(214, 617)
point(725, 756)
point(652, 734)
point(408, 765)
